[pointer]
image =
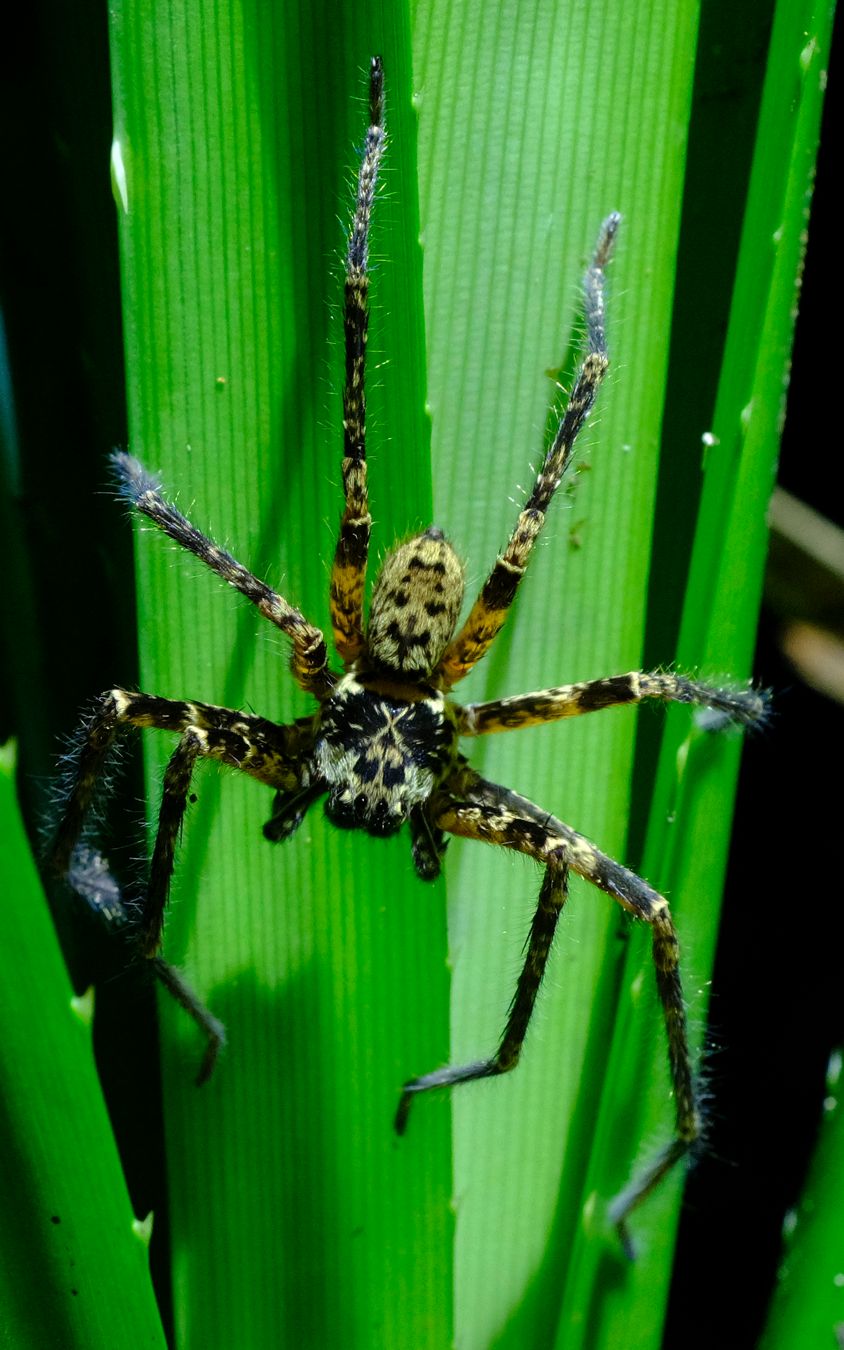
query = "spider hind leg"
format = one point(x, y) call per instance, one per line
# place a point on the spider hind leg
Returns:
point(552, 898)
point(477, 809)
point(273, 754)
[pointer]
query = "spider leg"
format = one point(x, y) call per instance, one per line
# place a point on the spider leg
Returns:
point(273, 754)
point(747, 706)
point(309, 663)
point(171, 814)
point(348, 573)
point(489, 611)
point(428, 844)
point(552, 897)
point(174, 800)
point(473, 808)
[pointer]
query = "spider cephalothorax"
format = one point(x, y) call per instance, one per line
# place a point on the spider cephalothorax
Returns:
point(381, 748)
point(380, 754)
point(386, 735)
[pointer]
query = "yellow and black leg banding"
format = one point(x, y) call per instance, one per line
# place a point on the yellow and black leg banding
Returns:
point(474, 808)
point(273, 754)
point(309, 661)
point(382, 748)
point(499, 591)
point(348, 575)
point(743, 706)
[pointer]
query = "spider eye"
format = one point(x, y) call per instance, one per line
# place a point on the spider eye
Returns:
point(383, 822)
point(340, 811)
point(361, 814)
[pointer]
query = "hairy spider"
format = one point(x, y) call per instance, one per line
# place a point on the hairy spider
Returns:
point(382, 746)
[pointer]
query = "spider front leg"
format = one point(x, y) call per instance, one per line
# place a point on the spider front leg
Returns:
point(171, 815)
point(309, 660)
point(348, 573)
point(88, 872)
point(210, 1026)
point(490, 610)
point(477, 809)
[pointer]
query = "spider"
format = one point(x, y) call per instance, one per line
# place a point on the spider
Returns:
point(382, 746)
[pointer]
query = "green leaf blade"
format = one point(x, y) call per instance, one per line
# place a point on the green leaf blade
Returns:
point(297, 1217)
point(68, 1237)
point(556, 123)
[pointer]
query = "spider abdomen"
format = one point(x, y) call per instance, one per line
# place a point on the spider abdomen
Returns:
point(381, 754)
point(416, 600)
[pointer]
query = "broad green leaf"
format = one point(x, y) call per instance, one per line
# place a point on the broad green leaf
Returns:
point(69, 1240)
point(296, 1215)
point(556, 121)
point(531, 131)
point(808, 1306)
point(686, 847)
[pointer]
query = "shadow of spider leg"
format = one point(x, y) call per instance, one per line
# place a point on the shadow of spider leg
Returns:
point(481, 810)
point(270, 753)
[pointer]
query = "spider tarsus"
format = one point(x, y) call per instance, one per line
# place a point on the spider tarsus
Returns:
point(724, 707)
point(606, 239)
point(593, 289)
point(447, 1077)
point(90, 877)
point(209, 1061)
point(133, 480)
point(625, 1239)
point(755, 708)
point(641, 1187)
point(376, 92)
